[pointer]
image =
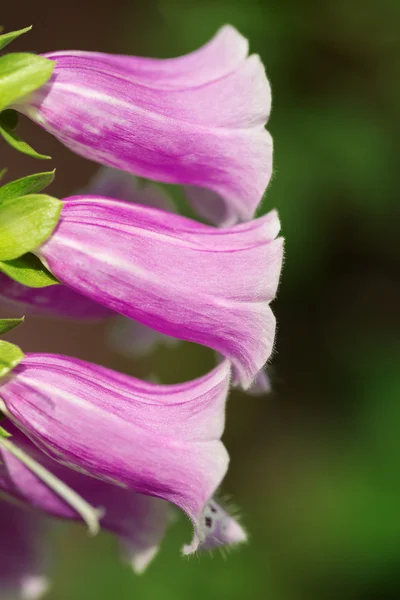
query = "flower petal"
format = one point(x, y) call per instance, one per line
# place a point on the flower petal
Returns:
point(192, 105)
point(187, 280)
point(124, 336)
point(195, 68)
point(163, 441)
point(211, 206)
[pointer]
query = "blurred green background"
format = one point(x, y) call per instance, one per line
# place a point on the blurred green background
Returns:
point(315, 464)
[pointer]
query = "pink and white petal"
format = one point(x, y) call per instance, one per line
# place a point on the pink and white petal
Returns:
point(162, 441)
point(235, 161)
point(186, 280)
point(221, 55)
point(240, 99)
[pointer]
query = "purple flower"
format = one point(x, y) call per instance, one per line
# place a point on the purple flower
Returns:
point(22, 552)
point(196, 120)
point(184, 279)
point(158, 440)
point(138, 521)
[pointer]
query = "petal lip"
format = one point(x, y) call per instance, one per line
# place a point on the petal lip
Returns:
point(220, 529)
point(186, 280)
point(199, 127)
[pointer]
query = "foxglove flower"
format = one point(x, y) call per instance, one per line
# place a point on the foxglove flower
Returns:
point(162, 441)
point(138, 521)
point(22, 552)
point(196, 120)
point(184, 279)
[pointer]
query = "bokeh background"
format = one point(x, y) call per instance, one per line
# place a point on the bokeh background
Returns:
point(315, 464)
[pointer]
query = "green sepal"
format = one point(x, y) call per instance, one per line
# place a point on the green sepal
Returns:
point(26, 222)
point(2, 173)
point(9, 117)
point(7, 38)
point(4, 433)
point(21, 74)
point(31, 184)
point(18, 143)
point(28, 270)
point(9, 324)
point(10, 357)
